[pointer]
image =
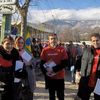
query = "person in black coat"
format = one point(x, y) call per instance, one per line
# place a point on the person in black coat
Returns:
point(8, 57)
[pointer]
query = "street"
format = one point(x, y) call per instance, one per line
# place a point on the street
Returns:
point(42, 94)
point(70, 89)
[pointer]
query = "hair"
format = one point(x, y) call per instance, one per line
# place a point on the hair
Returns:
point(83, 43)
point(7, 38)
point(70, 41)
point(95, 35)
point(33, 40)
point(18, 38)
point(53, 35)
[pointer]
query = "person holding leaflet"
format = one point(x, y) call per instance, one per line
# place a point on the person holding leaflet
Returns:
point(53, 63)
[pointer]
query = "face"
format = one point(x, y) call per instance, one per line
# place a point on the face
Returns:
point(20, 44)
point(95, 42)
point(8, 46)
point(53, 40)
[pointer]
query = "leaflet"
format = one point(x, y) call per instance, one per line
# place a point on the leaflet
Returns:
point(97, 87)
point(72, 68)
point(19, 65)
point(17, 80)
point(26, 56)
point(49, 64)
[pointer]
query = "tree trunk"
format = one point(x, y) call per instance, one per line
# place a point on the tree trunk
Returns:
point(23, 25)
point(23, 12)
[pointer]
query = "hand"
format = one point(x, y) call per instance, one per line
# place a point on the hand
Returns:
point(78, 74)
point(50, 74)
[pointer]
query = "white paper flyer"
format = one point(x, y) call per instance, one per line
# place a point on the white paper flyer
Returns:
point(19, 65)
point(26, 56)
point(97, 87)
point(49, 64)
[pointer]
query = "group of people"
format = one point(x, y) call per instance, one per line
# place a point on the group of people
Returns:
point(54, 59)
point(17, 69)
point(17, 79)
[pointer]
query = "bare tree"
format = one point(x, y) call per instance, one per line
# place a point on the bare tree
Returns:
point(95, 30)
point(76, 32)
point(23, 9)
point(66, 35)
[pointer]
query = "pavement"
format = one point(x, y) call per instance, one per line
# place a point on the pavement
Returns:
point(41, 93)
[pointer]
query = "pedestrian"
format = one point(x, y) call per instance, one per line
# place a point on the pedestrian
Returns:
point(78, 63)
point(84, 46)
point(36, 48)
point(27, 58)
point(8, 57)
point(72, 53)
point(89, 68)
point(53, 63)
point(36, 51)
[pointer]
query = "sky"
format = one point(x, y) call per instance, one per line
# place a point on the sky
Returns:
point(68, 4)
point(44, 10)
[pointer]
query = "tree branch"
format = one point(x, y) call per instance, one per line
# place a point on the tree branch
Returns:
point(26, 4)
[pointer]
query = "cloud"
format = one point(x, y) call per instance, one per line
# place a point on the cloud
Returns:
point(38, 16)
point(89, 14)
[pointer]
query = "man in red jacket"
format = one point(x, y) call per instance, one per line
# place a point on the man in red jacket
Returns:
point(53, 63)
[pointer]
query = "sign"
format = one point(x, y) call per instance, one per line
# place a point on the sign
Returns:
point(4, 2)
point(7, 9)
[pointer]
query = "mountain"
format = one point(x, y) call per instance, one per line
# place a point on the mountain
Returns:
point(74, 23)
point(56, 22)
point(58, 26)
point(82, 24)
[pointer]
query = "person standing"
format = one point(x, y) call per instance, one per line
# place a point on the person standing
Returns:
point(53, 63)
point(29, 81)
point(8, 57)
point(72, 53)
point(89, 68)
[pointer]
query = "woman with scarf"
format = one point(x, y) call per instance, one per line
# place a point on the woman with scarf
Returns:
point(8, 57)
